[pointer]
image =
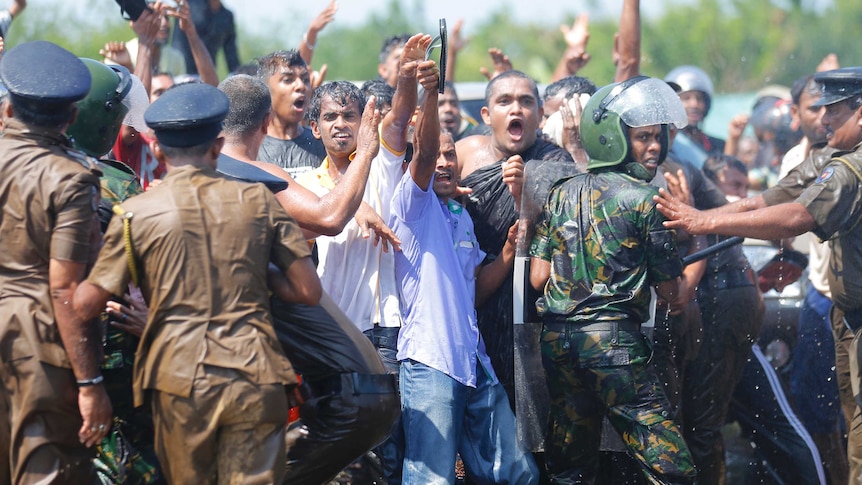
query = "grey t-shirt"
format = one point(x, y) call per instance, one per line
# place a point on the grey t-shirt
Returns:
point(301, 154)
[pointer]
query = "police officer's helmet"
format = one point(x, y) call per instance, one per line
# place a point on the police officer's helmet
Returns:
point(101, 113)
point(639, 101)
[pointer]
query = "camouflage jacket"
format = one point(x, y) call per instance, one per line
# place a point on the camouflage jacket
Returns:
point(606, 244)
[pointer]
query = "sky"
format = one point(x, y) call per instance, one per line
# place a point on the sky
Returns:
point(249, 12)
point(351, 12)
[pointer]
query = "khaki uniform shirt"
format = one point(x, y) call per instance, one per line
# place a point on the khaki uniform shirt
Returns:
point(790, 187)
point(203, 242)
point(48, 198)
point(834, 200)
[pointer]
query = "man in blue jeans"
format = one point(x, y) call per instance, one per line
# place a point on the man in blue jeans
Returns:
point(451, 399)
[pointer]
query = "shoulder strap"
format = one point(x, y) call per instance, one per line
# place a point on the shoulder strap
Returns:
point(127, 238)
point(858, 174)
point(850, 166)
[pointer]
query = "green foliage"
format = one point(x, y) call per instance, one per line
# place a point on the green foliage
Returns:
point(742, 44)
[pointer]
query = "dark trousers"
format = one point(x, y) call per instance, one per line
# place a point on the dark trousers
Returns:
point(340, 421)
point(351, 403)
point(731, 320)
point(42, 423)
point(781, 441)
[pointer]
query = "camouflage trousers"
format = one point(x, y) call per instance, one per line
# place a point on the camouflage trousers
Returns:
point(604, 372)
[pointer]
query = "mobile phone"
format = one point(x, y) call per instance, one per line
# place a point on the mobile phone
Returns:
point(442, 42)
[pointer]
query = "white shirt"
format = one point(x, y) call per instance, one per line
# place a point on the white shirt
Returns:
point(359, 276)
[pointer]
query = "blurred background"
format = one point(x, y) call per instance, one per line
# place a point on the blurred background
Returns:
point(742, 44)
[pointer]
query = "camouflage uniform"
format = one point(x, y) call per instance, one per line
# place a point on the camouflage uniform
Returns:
point(607, 247)
point(126, 454)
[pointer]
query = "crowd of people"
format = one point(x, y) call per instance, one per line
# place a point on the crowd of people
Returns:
point(273, 278)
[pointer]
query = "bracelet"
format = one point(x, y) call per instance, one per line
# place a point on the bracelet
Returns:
point(91, 382)
point(307, 43)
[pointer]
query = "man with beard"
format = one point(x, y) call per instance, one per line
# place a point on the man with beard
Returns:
point(813, 375)
point(493, 167)
point(829, 206)
point(451, 399)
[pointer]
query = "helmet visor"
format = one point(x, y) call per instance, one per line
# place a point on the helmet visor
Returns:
point(649, 102)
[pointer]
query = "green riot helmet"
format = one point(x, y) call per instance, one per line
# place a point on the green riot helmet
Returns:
point(636, 102)
point(101, 113)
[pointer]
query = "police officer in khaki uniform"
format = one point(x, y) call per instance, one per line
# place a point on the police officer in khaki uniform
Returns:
point(830, 207)
point(48, 195)
point(209, 363)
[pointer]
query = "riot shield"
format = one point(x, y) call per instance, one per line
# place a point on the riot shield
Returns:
point(532, 402)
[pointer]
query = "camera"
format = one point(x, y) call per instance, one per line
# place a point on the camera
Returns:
point(132, 9)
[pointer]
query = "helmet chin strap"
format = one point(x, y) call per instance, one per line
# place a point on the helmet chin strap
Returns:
point(637, 171)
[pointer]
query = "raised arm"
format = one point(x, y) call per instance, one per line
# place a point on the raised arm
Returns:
point(17, 7)
point(427, 129)
point(146, 28)
point(203, 59)
point(575, 56)
point(770, 223)
point(628, 44)
point(309, 39)
point(397, 121)
point(456, 43)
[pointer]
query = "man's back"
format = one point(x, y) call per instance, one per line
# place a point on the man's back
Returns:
point(596, 232)
point(48, 202)
point(203, 243)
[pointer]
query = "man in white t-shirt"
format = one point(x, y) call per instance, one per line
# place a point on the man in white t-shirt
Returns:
point(354, 270)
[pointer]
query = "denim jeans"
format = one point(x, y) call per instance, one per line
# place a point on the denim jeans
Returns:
point(442, 417)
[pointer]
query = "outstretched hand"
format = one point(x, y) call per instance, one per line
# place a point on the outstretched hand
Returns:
point(116, 51)
point(323, 18)
point(456, 41)
point(570, 112)
point(414, 53)
point(369, 221)
point(318, 76)
point(368, 138)
point(677, 185)
point(679, 214)
point(577, 36)
point(501, 64)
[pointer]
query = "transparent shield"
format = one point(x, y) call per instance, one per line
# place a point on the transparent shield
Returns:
point(531, 391)
point(649, 102)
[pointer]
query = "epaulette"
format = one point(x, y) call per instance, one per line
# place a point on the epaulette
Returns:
point(85, 160)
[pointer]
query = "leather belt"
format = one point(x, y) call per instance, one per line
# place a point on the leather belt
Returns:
point(607, 326)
